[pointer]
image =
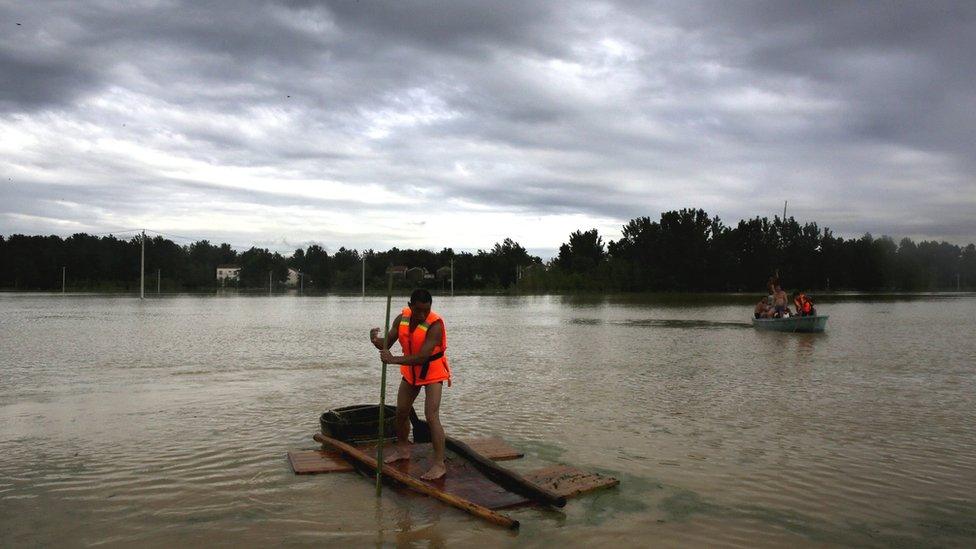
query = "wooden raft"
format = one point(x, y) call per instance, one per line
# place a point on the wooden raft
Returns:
point(463, 479)
point(310, 462)
point(392, 474)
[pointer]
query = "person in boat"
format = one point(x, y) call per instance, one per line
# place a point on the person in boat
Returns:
point(780, 299)
point(771, 293)
point(423, 338)
point(762, 309)
point(804, 306)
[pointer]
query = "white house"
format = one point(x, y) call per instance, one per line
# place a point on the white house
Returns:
point(228, 272)
point(293, 275)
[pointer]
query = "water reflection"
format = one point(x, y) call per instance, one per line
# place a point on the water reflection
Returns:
point(679, 299)
point(661, 323)
point(800, 344)
point(681, 323)
point(805, 342)
point(411, 535)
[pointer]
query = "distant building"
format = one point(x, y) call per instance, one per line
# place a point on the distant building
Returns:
point(397, 270)
point(228, 272)
point(293, 276)
point(444, 273)
point(417, 274)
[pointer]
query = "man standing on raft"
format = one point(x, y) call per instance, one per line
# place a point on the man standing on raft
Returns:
point(423, 337)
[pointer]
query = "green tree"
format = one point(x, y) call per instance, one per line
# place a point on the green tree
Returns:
point(583, 254)
point(318, 266)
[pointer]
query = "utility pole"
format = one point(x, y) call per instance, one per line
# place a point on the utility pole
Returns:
point(64, 271)
point(785, 202)
point(958, 286)
point(364, 275)
point(269, 282)
point(301, 283)
point(452, 277)
point(159, 277)
point(142, 268)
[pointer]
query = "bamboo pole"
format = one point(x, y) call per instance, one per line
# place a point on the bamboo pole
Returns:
point(386, 347)
point(473, 508)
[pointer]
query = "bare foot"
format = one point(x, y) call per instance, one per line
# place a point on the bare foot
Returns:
point(435, 472)
point(396, 454)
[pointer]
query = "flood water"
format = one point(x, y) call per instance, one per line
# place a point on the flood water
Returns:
point(167, 421)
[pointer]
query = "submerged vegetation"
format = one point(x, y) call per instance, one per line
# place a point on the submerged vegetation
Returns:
point(684, 250)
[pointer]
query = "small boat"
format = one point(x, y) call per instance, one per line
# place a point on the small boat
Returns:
point(797, 324)
point(358, 423)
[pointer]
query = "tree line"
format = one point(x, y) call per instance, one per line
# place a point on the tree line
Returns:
point(109, 263)
point(688, 250)
point(683, 250)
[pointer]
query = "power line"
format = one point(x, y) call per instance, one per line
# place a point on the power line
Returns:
point(121, 232)
point(189, 238)
point(114, 232)
point(195, 239)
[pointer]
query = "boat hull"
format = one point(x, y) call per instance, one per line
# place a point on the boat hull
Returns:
point(796, 324)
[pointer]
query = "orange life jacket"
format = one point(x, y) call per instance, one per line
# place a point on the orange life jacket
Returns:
point(803, 304)
point(437, 369)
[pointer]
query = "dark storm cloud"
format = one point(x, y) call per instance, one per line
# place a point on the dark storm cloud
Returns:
point(470, 28)
point(862, 114)
point(32, 83)
point(906, 68)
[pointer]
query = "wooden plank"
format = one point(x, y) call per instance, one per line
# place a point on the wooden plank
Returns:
point(505, 477)
point(570, 482)
point(310, 462)
point(462, 479)
point(417, 485)
point(494, 448)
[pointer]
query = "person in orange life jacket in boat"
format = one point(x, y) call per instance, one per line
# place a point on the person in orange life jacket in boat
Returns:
point(423, 337)
point(804, 306)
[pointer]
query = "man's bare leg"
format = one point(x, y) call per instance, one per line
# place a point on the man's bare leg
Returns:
point(406, 394)
point(432, 413)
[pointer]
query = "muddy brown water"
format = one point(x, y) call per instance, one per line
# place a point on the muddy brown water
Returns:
point(166, 421)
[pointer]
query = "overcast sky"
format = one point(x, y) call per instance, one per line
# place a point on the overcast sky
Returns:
point(457, 124)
